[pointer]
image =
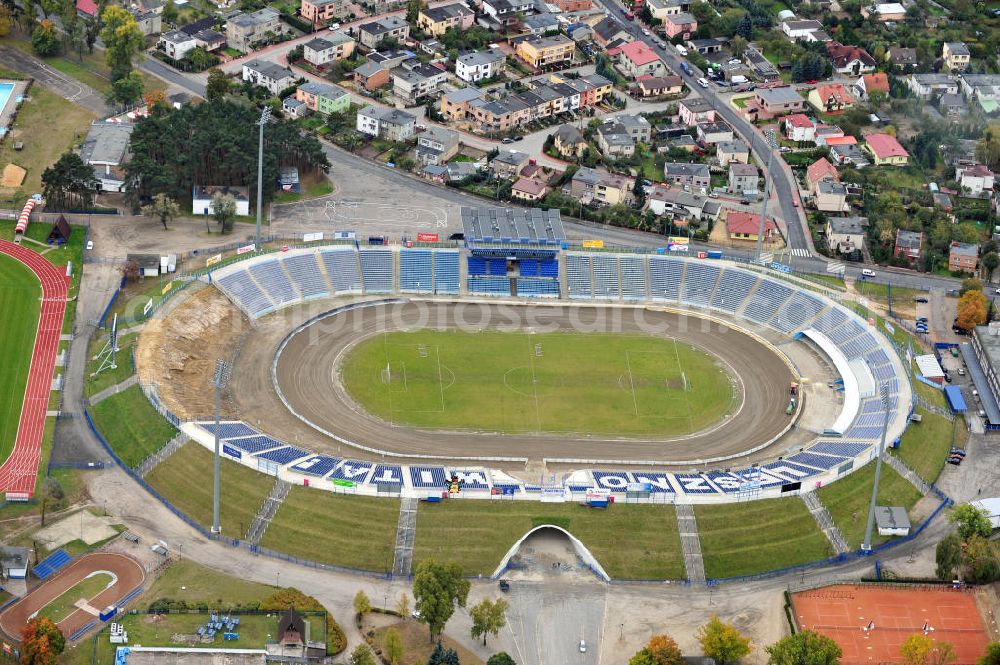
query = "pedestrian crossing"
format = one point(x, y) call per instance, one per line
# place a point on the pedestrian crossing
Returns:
point(800, 251)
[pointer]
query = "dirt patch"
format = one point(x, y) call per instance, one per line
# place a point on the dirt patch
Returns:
point(83, 525)
point(417, 646)
point(177, 352)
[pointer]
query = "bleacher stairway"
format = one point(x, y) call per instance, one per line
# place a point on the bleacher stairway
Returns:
point(267, 511)
point(825, 522)
point(402, 560)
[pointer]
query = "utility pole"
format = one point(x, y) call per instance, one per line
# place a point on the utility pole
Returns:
point(771, 141)
point(867, 545)
point(265, 117)
point(221, 378)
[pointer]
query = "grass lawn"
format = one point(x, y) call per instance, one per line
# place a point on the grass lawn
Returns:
point(85, 589)
point(756, 536)
point(417, 647)
point(19, 306)
point(925, 445)
point(48, 125)
point(312, 187)
point(109, 377)
point(131, 426)
point(185, 479)
point(931, 395)
point(832, 281)
point(496, 525)
point(355, 531)
point(133, 298)
point(549, 382)
point(70, 479)
point(902, 298)
point(194, 584)
point(848, 499)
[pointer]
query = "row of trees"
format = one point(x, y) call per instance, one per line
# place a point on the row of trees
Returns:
point(967, 551)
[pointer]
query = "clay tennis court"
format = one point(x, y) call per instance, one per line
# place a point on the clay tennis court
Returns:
point(842, 612)
point(128, 574)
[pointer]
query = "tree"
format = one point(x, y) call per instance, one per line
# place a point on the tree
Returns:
point(971, 521)
point(224, 213)
point(990, 262)
point(639, 192)
point(154, 98)
point(738, 45)
point(69, 183)
point(443, 656)
point(130, 271)
point(361, 603)
point(170, 12)
point(948, 556)
point(922, 650)
point(988, 148)
point(52, 496)
point(217, 85)
point(123, 40)
point(970, 284)
point(44, 40)
point(5, 20)
point(660, 650)
point(992, 656)
point(488, 617)
point(503, 658)
point(362, 655)
point(162, 207)
point(438, 588)
point(981, 565)
point(41, 642)
point(971, 311)
point(804, 648)
point(126, 90)
point(744, 28)
point(722, 641)
point(392, 646)
point(413, 8)
point(403, 605)
point(78, 37)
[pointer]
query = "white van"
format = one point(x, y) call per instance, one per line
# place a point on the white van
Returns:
point(680, 49)
point(867, 272)
point(703, 83)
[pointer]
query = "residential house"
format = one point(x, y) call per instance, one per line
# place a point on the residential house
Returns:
point(529, 189)
point(846, 235)
point(598, 187)
point(614, 141)
point(705, 46)
point(436, 145)
point(746, 226)
point(547, 98)
point(414, 80)
point(831, 98)
point(203, 197)
point(150, 23)
point(658, 86)
point(820, 170)
point(774, 102)
point(825, 133)
point(269, 75)
point(732, 152)
point(903, 58)
point(848, 154)
point(963, 257)
point(454, 105)
point(459, 171)
point(680, 205)
point(210, 40)
point(371, 76)
point(710, 133)
point(328, 48)
point(885, 11)
point(319, 12)
point(86, 8)
point(176, 44)
point(984, 89)
point(691, 175)
point(435, 21)
point(292, 107)
point(799, 127)
point(953, 106)
point(801, 30)
point(956, 56)
point(569, 142)
point(683, 142)
point(105, 150)
point(850, 60)
point(926, 86)
point(540, 24)
point(580, 32)
point(569, 6)
point(661, 9)
point(636, 59)
point(831, 196)
point(760, 65)
point(480, 65)
point(507, 164)
point(542, 52)
point(976, 180)
point(389, 27)
point(743, 179)
point(694, 110)
point(323, 98)
point(869, 83)
point(885, 149)
point(682, 25)
point(505, 12)
point(243, 31)
point(609, 30)
point(391, 124)
point(635, 126)
point(907, 245)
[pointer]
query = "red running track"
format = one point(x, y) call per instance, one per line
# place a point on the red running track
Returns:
point(19, 471)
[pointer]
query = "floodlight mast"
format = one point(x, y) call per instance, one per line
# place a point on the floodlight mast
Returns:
point(219, 381)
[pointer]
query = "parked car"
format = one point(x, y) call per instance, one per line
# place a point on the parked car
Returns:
point(867, 272)
point(583, 646)
point(334, 27)
point(784, 149)
point(920, 300)
point(504, 586)
point(505, 140)
point(702, 82)
point(961, 371)
point(922, 319)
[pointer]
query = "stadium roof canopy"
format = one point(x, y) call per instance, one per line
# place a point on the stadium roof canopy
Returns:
point(525, 226)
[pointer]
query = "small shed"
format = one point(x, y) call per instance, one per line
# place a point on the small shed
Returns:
point(15, 562)
point(288, 179)
point(149, 264)
point(955, 399)
point(892, 521)
point(291, 629)
point(60, 232)
point(930, 368)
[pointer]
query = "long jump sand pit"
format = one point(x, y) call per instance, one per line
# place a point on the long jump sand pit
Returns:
point(128, 575)
point(871, 621)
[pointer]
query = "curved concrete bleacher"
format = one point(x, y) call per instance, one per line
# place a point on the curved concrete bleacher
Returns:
point(263, 284)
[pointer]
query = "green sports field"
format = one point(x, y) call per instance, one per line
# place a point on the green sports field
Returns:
point(19, 305)
point(623, 385)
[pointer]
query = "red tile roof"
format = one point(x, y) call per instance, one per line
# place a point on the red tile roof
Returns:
point(88, 7)
point(835, 90)
point(530, 186)
point(879, 82)
point(842, 55)
point(798, 120)
point(747, 223)
point(841, 140)
point(884, 146)
point(821, 168)
point(639, 53)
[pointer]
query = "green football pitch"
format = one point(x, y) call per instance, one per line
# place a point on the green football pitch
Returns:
point(605, 384)
point(19, 307)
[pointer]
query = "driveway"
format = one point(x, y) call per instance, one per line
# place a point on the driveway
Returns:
point(65, 86)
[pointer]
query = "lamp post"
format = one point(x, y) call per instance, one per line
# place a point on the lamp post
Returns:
point(867, 545)
point(771, 140)
point(265, 117)
point(219, 381)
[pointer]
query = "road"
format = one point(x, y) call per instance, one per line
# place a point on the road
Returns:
point(63, 85)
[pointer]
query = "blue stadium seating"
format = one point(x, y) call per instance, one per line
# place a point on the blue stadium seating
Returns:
point(285, 455)
point(606, 281)
point(318, 465)
point(446, 275)
point(306, 274)
point(427, 477)
point(229, 430)
point(416, 270)
point(699, 282)
point(352, 470)
point(549, 268)
point(497, 266)
point(844, 449)
point(818, 461)
point(734, 287)
point(633, 277)
point(529, 268)
point(537, 288)
point(801, 308)
point(376, 270)
point(578, 282)
point(665, 278)
point(490, 286)
point(694, 483)
point(342, 267)
point(254, 444)
point(273, 278)
point(477, 265)
point(766, 300)
point(248, 295)
point(870, 432)
point(474, 479)
point(52, 564)
point(387, 474)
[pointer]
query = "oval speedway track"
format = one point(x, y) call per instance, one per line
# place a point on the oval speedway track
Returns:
point(305, 373)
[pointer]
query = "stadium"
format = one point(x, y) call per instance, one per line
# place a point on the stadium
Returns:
point(516, 366)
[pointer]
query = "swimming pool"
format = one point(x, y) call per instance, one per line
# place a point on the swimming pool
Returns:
point(5, 91)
